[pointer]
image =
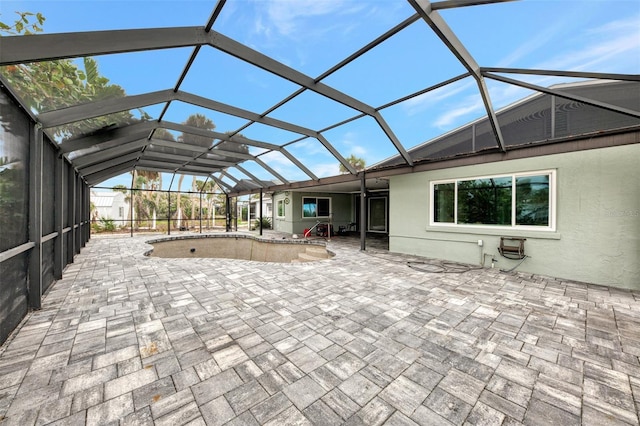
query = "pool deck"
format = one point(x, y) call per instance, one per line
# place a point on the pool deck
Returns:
point(358, 339)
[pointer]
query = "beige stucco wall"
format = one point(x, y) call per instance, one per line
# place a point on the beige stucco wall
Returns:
point(597, 238)
point(231, 246)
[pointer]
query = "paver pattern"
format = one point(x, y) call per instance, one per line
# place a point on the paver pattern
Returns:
point(359, 339)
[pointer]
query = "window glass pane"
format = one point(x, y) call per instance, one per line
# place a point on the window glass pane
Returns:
point(378, 214)
point(280, 208)
point(443, 202)
point(485, 201)
point(309, 207)
point(323, 207)
point(532, 200)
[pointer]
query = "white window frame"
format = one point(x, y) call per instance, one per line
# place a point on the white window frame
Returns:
point(316, 216)
point(552, 202)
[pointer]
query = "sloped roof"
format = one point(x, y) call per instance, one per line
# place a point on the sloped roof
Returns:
point(103, 199)
point(538, 118)
point(286, 134)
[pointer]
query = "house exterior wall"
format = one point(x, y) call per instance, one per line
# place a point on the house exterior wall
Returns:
point(117, 206)
point(597, 235)
point(294, 223)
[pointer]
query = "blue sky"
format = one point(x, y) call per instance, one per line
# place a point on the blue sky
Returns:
point(312, 36)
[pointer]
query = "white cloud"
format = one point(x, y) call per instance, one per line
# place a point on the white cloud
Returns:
point(358, 151)
point(601, 54)
point(467, 106)
point(288, 17)
point(326, 169)
point(427, 100)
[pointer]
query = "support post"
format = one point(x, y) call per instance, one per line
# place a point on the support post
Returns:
point(78, 212)
point(227, 213)
point(235, 216)
point(74, 200)
point(363, 212)
point(169, 212)
point(35, 217)
point(260, 210)
point(86, 213)
point(133, 175)
point(200, 212)
point(58, 245)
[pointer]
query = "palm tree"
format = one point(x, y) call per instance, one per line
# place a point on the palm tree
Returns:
point(356, 162)
point(152, 181)
point(201, 122)
point(209, 188)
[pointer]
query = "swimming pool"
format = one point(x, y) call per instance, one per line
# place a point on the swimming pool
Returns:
point(239, 246)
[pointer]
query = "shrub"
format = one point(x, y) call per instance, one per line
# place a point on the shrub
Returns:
point(107, 225)
point(266, 223)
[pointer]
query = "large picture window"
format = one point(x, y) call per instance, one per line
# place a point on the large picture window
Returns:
point(518, 200)
point(316, 207)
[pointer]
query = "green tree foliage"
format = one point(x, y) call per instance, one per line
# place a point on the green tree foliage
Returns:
point(50, 85)
point(201, 122)
point(356, 162)
point(232, 146)
point(23, 24)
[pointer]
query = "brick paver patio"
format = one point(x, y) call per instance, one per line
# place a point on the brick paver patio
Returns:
point(359, 339)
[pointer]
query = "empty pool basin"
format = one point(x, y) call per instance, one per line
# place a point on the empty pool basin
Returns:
point(239, 246)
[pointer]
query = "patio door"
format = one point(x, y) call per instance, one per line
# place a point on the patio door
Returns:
point(377, 214)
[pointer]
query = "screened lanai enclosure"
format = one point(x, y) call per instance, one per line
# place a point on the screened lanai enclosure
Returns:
point(166, 105)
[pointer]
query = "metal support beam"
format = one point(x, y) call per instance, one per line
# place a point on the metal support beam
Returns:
point(227, 213)
point(85, 213)
point(565, 95)
point(96, 178)
point(392, 137)
point(35, 217)
point(562, 73)
point(68, 204)
point(74, 214)
point(131, 201)
point(363, 212)
point(297, 162)
point(47, 47)
point(249, 174)
point(450, 4)
point(260, 212)
point(169, 209)
point(336, 154)
point(58, 214)
point(270, 170)
point(448, 37)
point(108, 154)
point(109, 163)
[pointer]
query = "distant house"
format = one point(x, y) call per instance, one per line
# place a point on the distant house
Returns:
point(109, 205)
